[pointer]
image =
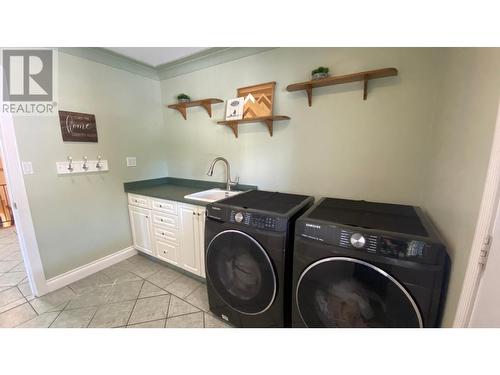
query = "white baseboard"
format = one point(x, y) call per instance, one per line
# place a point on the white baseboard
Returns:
point(88, 269)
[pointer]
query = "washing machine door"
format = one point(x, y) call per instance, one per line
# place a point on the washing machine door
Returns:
point(350, 293)
point(241, 272)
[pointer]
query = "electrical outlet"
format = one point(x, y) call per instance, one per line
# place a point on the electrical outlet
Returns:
point(131, 161)
point(27, 167)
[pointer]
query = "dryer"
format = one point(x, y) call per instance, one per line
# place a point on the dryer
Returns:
point(248, 257)
point(367, 264)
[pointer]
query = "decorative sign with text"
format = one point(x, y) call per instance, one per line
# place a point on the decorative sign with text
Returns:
point(78, 127)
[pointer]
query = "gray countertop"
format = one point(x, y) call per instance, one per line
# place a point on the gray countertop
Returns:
point(174, 189)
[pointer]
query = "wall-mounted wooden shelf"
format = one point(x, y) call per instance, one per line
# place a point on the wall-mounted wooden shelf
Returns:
point(268, 120)
point(205, 103)
point(337, 80)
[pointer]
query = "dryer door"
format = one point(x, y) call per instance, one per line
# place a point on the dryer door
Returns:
point(348, 293)
point(241, 272)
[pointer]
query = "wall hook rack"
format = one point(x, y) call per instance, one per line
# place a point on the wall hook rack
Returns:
point(82, 166)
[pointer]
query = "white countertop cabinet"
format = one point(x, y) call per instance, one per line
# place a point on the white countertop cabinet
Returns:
point(169, 230)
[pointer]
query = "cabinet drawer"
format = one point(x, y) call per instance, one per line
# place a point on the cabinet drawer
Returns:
point(168, 221)
point(167, 251)
point(168, 207)
point(139, 201)
point(165, 234)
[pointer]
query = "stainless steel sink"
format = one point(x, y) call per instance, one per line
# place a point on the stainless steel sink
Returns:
point(211, 195)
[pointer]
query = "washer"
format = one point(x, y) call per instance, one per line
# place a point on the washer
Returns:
point(367, 264)
point(248, 257)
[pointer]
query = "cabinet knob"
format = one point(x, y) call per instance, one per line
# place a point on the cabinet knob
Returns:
point(162, 233)
point(194, 213)
point(147, 217)
point(161, 206)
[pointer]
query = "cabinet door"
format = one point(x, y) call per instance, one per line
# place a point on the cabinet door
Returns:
point(189, 253)
point(140, 221)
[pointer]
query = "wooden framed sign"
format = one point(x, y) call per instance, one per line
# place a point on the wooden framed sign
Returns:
point(258, 100)
point(77, 127)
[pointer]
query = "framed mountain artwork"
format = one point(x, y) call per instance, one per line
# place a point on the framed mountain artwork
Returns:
point(258, 100)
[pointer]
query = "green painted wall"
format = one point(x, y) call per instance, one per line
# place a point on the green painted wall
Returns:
point(461, 145)
point(422, 138)
point(79, 219)
point(342, 146)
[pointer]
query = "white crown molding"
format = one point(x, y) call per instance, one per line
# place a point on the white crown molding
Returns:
point(206, 59)
point(198, 61)
point(106, 57)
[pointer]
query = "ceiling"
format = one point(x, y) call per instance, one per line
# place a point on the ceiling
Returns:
point(155, 56)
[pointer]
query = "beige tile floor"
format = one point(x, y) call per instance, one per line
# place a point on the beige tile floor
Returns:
point(135, 293)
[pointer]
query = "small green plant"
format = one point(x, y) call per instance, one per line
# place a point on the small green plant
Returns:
point(321, 69)
point(183, 97)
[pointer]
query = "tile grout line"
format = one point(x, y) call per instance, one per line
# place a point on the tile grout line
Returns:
point(60, 312)
point(93, 316)
point(168, 310)
point(195, 289)
point(154, 320)
point(23, 297)
point(135, 303)
point(161, 295)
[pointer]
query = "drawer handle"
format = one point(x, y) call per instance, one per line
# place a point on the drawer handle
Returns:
point(135, 200)
point(162, 233)
point(161, 206)
point(161, 220)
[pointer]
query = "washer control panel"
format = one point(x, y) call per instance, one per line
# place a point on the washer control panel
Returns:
point(253, 220)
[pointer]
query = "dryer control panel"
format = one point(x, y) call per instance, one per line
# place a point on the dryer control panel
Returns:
point(367, 241)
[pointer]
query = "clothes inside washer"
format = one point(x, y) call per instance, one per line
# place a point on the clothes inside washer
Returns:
point(241, 276)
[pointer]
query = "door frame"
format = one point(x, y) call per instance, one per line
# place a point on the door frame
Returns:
point(485, 222)
point(20, 204)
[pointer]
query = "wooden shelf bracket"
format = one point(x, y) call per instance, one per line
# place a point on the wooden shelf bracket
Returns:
point(267, 120)
point(205, 103)
point(309, 91)
point(181, 109)
point(365, 87)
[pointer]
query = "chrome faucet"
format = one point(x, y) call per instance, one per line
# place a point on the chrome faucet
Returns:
point(229, 183)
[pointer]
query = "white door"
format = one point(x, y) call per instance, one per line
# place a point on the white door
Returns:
point(140, 222)
point(189, 254)
point(486, 312)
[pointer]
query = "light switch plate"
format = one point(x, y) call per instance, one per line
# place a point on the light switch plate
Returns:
point(27, 167)
point(131, 161)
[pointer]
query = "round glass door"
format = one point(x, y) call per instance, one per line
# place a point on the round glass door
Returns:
point(241, 272)
point(349, 293)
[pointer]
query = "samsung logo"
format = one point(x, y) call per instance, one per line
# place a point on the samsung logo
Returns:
point(313, 226)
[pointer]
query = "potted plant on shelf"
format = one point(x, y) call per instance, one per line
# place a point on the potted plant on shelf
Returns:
point(321, 72)
point(183, 98)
